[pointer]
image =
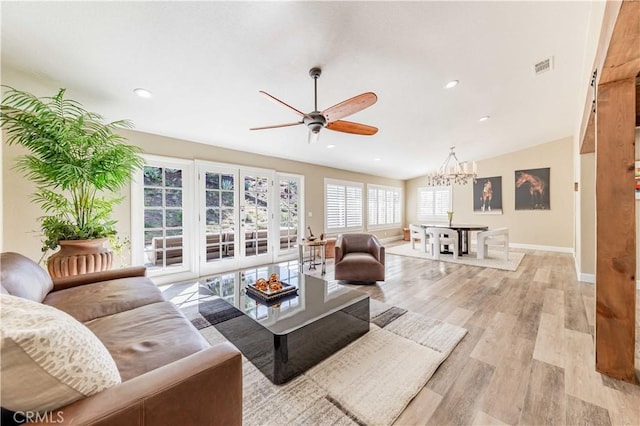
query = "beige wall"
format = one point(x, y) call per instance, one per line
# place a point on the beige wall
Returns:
point(551, 228)
point(587, 191)
point(21, 230)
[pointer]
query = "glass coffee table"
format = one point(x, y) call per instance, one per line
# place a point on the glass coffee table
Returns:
point(286, 337)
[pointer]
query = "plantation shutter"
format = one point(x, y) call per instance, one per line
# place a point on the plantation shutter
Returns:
point(384, 206)
point(343, 205)
point(372, 212)
point(434, 202)
point(335, 207)
point(354, 207)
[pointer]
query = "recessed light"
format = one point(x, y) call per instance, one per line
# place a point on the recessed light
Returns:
point(485, 118)
point(452, 84)
point(331, 146)
point(376, 159)
point(143, 93)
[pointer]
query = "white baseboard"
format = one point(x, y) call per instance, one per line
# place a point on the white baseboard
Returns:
point(587, 278)
point(389, 239)
point(557, 249)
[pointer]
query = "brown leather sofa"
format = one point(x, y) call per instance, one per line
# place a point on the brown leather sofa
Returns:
point(170, 374)
point(359, 258)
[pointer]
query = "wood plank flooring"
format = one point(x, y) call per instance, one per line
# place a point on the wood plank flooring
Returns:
point(528, 357)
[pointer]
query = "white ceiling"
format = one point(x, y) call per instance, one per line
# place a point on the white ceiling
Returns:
point(206, 61)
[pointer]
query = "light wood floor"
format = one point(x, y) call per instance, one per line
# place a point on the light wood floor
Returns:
point(528, 356)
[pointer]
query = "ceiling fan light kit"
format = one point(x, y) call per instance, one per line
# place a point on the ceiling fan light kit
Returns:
point(330, 117)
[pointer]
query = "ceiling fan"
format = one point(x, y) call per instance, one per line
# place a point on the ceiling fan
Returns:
point(330, 117)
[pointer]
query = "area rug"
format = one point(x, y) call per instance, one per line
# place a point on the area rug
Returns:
point(369, 382)
point(493, 260)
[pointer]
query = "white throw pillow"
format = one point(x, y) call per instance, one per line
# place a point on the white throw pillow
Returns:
point(49, 359)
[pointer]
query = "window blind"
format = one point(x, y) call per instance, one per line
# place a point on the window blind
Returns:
point(343, 205)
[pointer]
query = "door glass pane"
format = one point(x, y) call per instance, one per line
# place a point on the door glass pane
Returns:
point(219, 216)
point(152, 197)
point(256, 215)
point(288, 213)
point(173, 198)
point(173, 178)
point(163, 217)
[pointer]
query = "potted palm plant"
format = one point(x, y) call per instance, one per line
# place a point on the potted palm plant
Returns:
point(79, 164)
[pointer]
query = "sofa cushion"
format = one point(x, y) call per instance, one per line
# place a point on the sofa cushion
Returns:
point(48, 358)
point(22, 277)
point(147, 337)
point(91, 301)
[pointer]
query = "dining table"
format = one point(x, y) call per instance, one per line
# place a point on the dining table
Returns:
point(463, 230)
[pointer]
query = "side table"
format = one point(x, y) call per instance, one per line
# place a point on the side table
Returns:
point(322, 244)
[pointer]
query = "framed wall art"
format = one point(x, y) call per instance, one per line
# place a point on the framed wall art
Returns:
point(532, 189)
point(487, 195)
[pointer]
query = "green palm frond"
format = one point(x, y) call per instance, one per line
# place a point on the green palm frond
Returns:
point(73, 156)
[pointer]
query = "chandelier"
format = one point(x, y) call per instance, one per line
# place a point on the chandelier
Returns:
point(453, 171)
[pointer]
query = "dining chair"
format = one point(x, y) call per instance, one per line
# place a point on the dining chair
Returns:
point(443, 236)
point(417, 232)
point(493, 237)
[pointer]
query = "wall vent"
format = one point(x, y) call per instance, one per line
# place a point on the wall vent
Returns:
point(543, 66)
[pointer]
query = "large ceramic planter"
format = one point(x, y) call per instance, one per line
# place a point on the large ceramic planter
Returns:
point(77, 257)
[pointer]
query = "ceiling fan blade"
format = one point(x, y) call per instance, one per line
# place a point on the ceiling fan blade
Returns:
point(351, 127)
point(275, 126)
point(278, 101)
point(350, 106)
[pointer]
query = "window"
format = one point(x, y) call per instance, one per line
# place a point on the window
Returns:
point(434, 202)
point(343, 206)
point(384, 206)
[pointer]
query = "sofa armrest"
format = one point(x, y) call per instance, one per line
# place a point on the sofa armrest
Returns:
point(94, 277)
point(339, 249)
point(204, 388)
point(376, 249)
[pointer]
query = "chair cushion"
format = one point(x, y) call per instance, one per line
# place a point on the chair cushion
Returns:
point(22, 277)
point(49, 359)
point(359, 267)
point(91, 301)
point(147, 337)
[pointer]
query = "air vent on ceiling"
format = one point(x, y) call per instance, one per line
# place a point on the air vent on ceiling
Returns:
point(543, 66)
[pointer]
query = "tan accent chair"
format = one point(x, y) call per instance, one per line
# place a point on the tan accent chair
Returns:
point(493, 237)
point(419, 233)
point(443, 236)
point(359, 258)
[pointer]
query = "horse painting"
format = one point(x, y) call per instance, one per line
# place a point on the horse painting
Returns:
point(537, 189)
point(487, 195)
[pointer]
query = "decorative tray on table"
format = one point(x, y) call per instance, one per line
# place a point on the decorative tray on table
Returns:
point(272, 290)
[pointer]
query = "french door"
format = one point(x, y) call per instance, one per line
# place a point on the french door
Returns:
point(256, 217)
point(235, 217)
point(289, 199)
point(192, 218)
